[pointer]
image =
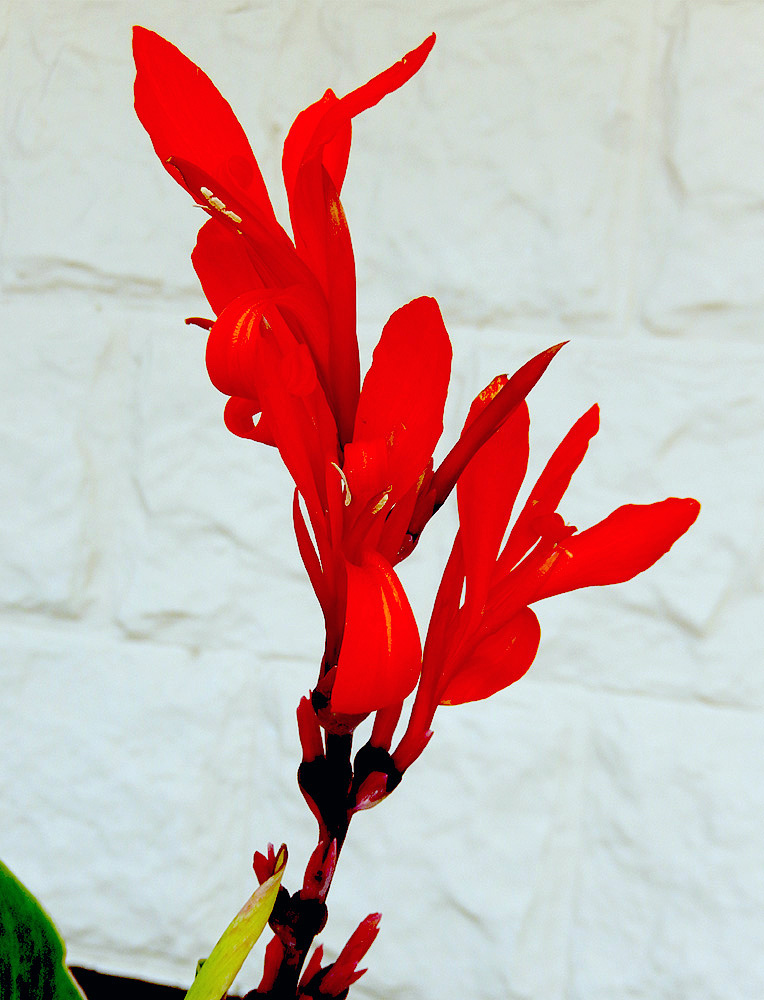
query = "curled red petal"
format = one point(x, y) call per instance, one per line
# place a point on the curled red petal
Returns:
point(244, 418)
point(626, 543)
point(404, 392)
point(499, 660)
point(232, 345)
point(186, 116)
point(380, 657)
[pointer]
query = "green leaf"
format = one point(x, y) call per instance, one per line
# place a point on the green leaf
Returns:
point(31, 952)
point(219, 971)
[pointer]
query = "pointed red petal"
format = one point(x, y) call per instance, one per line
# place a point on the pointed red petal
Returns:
point(381, 655)
point(274, 954)
point(310, 559)
point(186, 116)
point(498, 661)
point(314, 164)
point(335, 150)
point(441, 645)
point(514, 392)
point(313, 966)
point(324, 127)
point(368, 94)
point(626, 543)
point(323, 242)
point(487, 490)
point(343, 972)
point(222, 265)
point(549, 490)
point(404, 392)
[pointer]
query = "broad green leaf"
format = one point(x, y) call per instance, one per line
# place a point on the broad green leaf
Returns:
point(219, 970)
point(31, 952)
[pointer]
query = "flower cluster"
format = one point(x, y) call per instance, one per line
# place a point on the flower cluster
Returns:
point(283, 348)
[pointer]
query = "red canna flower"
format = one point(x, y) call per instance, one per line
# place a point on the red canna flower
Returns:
point(483, 634)
point(243, 248)
point(284, 349)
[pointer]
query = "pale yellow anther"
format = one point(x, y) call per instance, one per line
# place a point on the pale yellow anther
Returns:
point(344, 478)
point(383, 500)
point(214, 202)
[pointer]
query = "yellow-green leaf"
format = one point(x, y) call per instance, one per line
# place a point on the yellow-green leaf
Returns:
point(219, 971)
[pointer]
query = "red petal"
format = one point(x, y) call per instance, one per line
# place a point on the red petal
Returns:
point(313, 966)
point(323, 242)
point(514, 392)
point(186, 117)
point(222, 265)
point(548, 491)
point(404, 392)
point(314, 164)
point(380, 658)
point(297, 412)
point(232, 344)
point(498, 661)
point(367, 467)
point(335, 151)
point(324, 127)
point(487, 489)
point(626, 543)
point(369, 94)
point(233, 338)
point(239, 415)
point(394, 542)
point(343, 972)
point(271, 251)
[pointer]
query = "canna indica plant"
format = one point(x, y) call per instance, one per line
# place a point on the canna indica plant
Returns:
point(282, 346)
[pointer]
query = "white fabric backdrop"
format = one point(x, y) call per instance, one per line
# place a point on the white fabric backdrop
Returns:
point(592, 171)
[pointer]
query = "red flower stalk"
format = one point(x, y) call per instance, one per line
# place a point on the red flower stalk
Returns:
point(483, 635)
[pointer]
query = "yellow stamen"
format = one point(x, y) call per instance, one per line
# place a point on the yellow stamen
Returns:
point(343, 477)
